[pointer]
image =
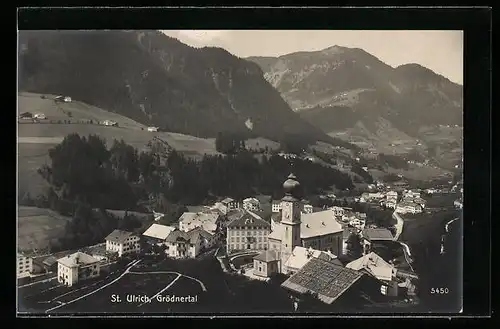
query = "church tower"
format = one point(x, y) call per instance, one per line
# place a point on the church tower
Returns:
point(290, 218)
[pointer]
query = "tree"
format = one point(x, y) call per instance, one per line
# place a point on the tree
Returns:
point(354, 246)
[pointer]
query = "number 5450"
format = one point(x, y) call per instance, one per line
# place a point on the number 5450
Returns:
point(440, 291)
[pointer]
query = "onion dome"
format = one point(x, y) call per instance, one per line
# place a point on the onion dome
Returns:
point(291, 184)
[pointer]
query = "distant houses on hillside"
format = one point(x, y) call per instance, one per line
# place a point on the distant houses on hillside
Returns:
point(65, 99)
point(110, 123)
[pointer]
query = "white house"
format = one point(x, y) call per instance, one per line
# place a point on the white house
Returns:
point(276, 206)
point(157, 234)
point(251, 204)
point(109, 123)
point(338, 211)
point(152, 129)
point(408, 207)
point(206, 220)
point(188, 244)
point(458, 204)
point(230, 204)
point(391, 195)
point(390, 204)
point(77, 267)
point(247, 231)
point(24, 265)
point(39, 116)
point(122, 242)
point(67, 99)
point(308, 209)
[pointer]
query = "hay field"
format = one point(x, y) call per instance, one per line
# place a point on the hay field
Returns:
point(38, 227)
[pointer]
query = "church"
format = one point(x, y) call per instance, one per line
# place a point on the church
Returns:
point(314, 231)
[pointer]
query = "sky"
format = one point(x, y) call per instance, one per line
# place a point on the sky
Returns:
point(440, 51)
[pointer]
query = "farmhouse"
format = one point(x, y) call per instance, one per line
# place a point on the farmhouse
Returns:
point(226, 205)
point(247, 231)
point(77, 267)
point(157, 234)
point(39, 116)
point(24, 265)
point(325, 280)
point(26, 115)
point(251, 204)
point(206, 220)
point(371, 235)
point(188, 244)
point(122, 242)
point(109, 123)
point(153, 129)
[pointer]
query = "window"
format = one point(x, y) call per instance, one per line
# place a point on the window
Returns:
point(232, 239)
point(237, 239)
point(260, 239)
point(249, 233)
point(260, 268)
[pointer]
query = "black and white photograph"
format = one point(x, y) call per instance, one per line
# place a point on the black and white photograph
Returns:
point(239, 171)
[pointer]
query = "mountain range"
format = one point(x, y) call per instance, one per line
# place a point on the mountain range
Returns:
point(157, 80)
point(349, 92)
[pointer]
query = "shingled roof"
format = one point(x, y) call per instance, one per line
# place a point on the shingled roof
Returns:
point(324, 278)
point(191, 236)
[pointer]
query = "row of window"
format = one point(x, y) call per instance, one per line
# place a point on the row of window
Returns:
point(237, 246)
point(237, 239)
point(248, 232)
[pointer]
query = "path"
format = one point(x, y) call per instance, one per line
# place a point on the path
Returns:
point(159, 292)
point(399, 230)
point(170, 272)
point(127, 270)
point(36, 282)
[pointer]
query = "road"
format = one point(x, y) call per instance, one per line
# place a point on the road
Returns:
point(127, 270)
point(399, 230)
point(178, 275)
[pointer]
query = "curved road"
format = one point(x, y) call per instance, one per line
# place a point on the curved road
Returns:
point(399, 230)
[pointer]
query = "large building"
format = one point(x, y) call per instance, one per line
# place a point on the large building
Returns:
point(247, 231)
point(77, 267)
point(206, 220)
point(251, 204)
point(24, 265)
point(122, 243)
point(318, 230)
point(156, 234)
point(189, 244)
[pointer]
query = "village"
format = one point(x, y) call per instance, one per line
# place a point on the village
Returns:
point(325, 252)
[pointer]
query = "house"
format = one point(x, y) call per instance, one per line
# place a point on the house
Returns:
point(26, 115)
point(153, 129)
point(247, 231)
point(157, 234)
point(308, 209)
point(231, 204)
point(24, 265)
point(276, 206)
point(458, 204)
point(39, 116)
point(251, 204)
point(266, 263)
point(390, 204)
point(358, 223)
point(181, 244)
point(300, 256)
point(77, 267)
point(371, 235)
point(109, 123)
point(392, 195)
point(408, 207)
point(157, 216)
point(206, 220)
point(374, 265)
point(324, 279)
point(65, 99)
point(122, 242)
point(338, 211)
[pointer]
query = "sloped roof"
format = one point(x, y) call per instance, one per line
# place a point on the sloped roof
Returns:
point(300, 256)
point(77, 259)
point(227, 200)
point(192, 236)
point(158, 231)
point(380, 234)
point(324, 278)
point(247, 218)
point(319, 223)
point(374, 264)
point(267, 256)
point(207, 220)
point(118, 236)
